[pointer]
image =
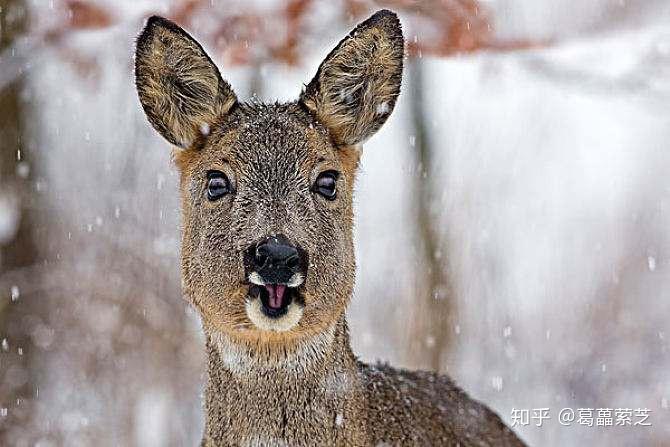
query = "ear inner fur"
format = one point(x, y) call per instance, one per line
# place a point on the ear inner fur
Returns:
point(355, 88)
point(180, 88)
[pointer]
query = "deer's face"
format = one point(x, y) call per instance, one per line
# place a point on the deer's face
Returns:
point(267, 246)
point(267, 214)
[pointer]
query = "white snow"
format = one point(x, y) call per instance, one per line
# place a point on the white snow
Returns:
point(383, 108)
point(339, 419)
point(651, 262)
point(551, 200)
point(14, 293)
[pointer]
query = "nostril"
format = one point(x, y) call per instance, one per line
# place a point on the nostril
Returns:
point(261, 257)
point(292, 261)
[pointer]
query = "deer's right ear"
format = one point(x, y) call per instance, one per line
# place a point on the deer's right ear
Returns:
point(180, 88)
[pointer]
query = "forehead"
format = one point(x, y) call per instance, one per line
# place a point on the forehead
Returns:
point(269, 135)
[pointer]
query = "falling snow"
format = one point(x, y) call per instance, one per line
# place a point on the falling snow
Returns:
point(14, 293)
point(651, 262)
point(547, 197)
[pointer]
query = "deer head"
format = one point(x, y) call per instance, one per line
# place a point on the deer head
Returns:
point(266, 189)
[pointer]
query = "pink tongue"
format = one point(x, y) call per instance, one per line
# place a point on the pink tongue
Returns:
point(276, 292)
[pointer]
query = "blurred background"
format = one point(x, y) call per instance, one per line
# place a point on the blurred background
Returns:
point(512, 215)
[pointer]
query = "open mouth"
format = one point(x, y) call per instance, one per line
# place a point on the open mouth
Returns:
point(275, 298)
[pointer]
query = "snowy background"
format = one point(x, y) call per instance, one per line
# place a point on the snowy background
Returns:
point(530, 258)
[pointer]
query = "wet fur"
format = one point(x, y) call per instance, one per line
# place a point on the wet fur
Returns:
point(298, 383)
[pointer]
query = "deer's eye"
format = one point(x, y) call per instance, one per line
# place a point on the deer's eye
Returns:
point(326, 184)
point(217, 185)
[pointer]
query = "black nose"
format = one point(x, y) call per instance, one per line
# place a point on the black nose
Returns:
point(276, 260)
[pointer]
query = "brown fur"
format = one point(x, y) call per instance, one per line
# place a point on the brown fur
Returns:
point(297, 383)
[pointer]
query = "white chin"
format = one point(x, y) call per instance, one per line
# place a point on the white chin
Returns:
point(283, 323)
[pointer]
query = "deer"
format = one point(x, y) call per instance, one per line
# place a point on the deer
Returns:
point(267, 249)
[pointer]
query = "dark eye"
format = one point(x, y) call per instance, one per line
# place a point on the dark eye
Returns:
point(326, 184)
point(217, 185)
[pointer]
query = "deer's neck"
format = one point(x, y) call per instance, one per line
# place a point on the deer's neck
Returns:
point(311, 391)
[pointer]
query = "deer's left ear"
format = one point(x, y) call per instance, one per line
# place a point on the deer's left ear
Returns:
point(180, 88)
point(355, 89)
